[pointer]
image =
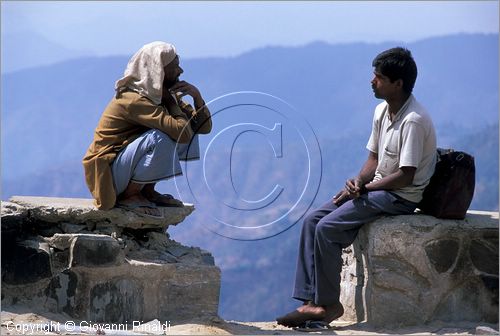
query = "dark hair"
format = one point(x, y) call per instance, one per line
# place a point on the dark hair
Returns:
point(397, 63)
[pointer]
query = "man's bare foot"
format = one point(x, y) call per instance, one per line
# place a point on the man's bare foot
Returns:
point(139, 204)
point(333, 312)
point(311, 308)
point(306, 312)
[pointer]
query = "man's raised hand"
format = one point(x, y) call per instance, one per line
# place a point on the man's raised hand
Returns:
point(183, 88)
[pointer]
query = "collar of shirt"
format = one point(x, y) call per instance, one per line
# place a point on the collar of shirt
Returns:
point(401, 111)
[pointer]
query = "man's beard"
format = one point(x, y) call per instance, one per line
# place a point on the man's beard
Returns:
point(169, 84)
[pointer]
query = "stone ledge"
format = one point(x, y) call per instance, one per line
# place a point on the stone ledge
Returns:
point(65, 256)
point(82, 210)
point(415, 269)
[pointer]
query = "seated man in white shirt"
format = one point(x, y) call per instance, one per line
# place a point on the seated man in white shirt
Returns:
point(401, 161)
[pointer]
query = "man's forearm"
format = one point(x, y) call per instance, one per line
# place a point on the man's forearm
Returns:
point(368, 170)
point(399, 179)
point(199, 103)
point(202, 123)
point(366, 174)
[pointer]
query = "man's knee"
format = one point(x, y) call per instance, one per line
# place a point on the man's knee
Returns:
point(323, 227)
point(158, 136)
point(330, 226)
point(332, 238)
point(159, 140)
point(312, 218)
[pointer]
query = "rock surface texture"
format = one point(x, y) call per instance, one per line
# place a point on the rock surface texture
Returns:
point(108, 266)
point(415, 269)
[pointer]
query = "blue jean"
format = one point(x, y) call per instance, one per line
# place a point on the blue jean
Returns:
point(326, 231)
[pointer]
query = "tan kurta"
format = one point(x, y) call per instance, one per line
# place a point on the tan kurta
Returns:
point(124, 119)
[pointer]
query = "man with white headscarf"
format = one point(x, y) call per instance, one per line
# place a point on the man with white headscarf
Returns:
point(143, 133)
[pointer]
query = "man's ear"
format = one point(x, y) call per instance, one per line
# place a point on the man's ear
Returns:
point(399, 83)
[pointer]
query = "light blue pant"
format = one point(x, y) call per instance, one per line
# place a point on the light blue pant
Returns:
point(150, 158)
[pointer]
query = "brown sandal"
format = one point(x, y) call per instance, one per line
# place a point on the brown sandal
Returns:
point(171, 202)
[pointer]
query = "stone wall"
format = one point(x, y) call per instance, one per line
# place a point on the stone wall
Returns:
point(410, 270)
point(103, 266)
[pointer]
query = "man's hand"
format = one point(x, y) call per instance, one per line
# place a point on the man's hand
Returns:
point(354, 187)
point(341, 197)
point(167, 99)
point(183, 88)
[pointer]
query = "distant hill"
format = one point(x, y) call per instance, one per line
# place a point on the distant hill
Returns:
point(328, 84)
point(483, 145)
point(23, 50)
point(49, 114)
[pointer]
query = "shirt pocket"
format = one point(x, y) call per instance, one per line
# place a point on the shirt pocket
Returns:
point(390, 162)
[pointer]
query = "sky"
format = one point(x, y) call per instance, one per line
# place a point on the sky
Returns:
point(203, 29)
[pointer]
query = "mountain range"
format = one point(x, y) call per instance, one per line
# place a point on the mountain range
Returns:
point(319, 93)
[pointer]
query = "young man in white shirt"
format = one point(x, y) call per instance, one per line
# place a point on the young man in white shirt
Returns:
point(401, 161)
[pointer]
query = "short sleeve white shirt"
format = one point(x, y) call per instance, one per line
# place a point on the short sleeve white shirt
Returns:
point(409, 140)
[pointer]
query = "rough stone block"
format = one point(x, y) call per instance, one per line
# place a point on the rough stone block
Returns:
point(140, 291)
point(13, 223)
point(117, 300)
point(408, 270)
point(82, 211)
point(60, 260)
point(13, 210)
point(62, 290)
point(61, 241)
point(95, 250)
point(72, 228)
point(202, 289)
point(85, 273)
point(177, 308)
point(26, 262)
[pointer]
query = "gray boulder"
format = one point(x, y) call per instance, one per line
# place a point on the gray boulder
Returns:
point(409, 270)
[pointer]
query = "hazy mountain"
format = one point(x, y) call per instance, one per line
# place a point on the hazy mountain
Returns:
point(327, 84)
point(483, 145)
point(49, 114)
point(27, 50)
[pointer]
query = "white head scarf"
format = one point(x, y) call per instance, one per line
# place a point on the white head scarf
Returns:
point(144, 73)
